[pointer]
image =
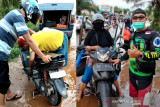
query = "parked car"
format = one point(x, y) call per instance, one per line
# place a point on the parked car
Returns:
point(79, 22)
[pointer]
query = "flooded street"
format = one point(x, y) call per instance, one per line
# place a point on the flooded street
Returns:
point(20, 83)
point(90, 100)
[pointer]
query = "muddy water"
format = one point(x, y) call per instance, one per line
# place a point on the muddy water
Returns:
point(89, 100)
point(20, 83)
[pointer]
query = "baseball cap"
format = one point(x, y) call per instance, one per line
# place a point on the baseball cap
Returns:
point(21, 41)
point(139, 10)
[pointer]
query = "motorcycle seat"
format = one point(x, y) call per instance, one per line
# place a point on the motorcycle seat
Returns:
point(57, 61)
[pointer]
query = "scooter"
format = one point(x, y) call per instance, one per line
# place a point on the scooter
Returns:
point(48, 78)
point(103, 74)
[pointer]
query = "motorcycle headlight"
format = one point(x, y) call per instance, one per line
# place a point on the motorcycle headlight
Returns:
point(102, 56)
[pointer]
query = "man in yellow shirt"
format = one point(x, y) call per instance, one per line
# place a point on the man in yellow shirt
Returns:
point(47, 40)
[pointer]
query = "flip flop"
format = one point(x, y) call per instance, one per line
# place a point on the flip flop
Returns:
point(14, 98)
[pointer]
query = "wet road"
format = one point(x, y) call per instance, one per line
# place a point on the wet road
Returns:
point(89, 100)
point(20, 83)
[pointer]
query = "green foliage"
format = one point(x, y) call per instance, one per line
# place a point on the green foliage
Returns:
point(94, 7)
point(85, 5)
point(155, 25)
point(126, 10)
point(14, 52)
point(33, 27)
point(149, 11)
point(158, 69)
point(8, 5)
point(117, 10)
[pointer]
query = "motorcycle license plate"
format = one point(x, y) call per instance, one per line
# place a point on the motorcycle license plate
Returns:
point(57, 74)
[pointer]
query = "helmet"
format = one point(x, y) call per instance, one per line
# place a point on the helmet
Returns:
point(31, 9)
point(126, 18)
point(97, 16)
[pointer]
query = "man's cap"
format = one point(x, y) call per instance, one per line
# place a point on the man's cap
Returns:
point(21, 41)
point(139, 10)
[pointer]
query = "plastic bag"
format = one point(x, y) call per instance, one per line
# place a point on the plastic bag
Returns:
point(126, 34)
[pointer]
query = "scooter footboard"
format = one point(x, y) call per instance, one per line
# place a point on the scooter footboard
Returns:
point(61, 88)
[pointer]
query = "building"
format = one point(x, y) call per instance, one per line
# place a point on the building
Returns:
point(90, 1)
point(105, 8)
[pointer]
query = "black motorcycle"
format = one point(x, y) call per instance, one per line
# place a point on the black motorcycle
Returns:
point(103, 74)
point(47, 78)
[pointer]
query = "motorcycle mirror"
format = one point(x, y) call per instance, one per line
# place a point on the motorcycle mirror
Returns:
point(81, 47)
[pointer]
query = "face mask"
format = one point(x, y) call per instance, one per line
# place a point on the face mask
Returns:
point(98, 26)
point(138, 25)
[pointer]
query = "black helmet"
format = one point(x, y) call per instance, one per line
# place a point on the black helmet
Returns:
point(97, 16)
point(31, 9)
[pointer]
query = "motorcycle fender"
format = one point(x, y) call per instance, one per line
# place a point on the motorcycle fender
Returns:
point(60, 85)
point(104, 93)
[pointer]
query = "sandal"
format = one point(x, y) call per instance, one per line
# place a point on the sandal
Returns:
point(14, 98)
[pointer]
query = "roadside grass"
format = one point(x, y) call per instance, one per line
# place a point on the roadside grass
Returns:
point(158, 69)
point(14, 52)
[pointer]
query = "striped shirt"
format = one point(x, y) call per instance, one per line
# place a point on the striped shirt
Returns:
point(11, 27)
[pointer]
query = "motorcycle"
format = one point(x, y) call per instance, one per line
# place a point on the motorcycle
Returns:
point(48, 78)
point(103, 74)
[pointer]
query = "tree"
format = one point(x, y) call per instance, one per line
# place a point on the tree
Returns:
point(153, 8)
point(7, 5)
point(85, 5)
point(117, 10)
point(126, 11)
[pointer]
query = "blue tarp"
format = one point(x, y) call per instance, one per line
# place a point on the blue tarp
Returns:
point(79, 58)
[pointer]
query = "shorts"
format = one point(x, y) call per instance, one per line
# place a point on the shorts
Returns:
point(4, 77)
point(139, 85)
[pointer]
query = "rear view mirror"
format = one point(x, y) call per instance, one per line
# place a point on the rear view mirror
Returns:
point(81, 47)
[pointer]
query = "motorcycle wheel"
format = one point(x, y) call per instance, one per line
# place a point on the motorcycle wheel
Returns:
point(54, 98)
point(104, 93)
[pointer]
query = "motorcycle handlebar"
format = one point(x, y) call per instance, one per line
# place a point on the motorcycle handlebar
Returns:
point(120, 52)
point(81, 47)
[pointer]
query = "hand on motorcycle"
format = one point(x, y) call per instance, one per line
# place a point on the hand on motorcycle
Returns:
point(47, 59)
point(115, 61)
point(89, 48)
point(133, 53)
